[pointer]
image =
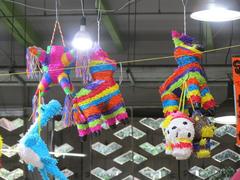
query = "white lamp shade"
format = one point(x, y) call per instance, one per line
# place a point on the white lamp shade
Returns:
point(215, 11)
point(216, 15)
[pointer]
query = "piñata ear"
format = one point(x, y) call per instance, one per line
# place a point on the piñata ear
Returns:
point(176, 34)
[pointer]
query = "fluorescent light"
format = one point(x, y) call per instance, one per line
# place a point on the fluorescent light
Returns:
point(82, 39)
point(225, 120)
point(215, 14)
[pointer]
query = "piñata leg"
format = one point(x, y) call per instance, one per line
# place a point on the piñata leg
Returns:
point(65, 83)
point(170, 103)
point(115, 111)
point(42, 88)
point(67, 87)
point(207, 101)
point(94, 119)
point(193, 93)
point(84, 100)
point(80, 121)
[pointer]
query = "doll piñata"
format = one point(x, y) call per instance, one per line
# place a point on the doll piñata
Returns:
point(53, 63)
point(190, 73)
point(101, 100)
point(34, 151)
point(178, 130)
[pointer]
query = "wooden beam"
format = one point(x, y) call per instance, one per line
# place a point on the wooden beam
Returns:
point(17, 25)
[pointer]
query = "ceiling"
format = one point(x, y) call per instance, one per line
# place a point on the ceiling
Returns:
point(143, 27)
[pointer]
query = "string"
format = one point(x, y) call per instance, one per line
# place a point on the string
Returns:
point(57, 24)
point(184, 16)
point(184, 97)
point(82, 8)
point(70, 10)
point(121, 74)
point(99, 16)
point(180, 100)
point(124, 62)
point(56, 3)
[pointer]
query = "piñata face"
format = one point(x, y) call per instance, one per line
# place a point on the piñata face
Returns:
point(180, 128)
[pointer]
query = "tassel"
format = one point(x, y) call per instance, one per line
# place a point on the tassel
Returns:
point(32, 66)
point(67, 111)
point(82, 67)
point(34, 107)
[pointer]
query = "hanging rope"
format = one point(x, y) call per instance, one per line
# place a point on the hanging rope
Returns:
point(121, 74)
point(57, 24)
point(128, 61)
point(184, 3)
point(82, 8)
point(70, 10)
point(180, 100)
point(99, 16)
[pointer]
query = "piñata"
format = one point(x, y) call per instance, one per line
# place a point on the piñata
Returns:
point(187, 89)
point(190, 73)
point(101, 100)
point(55, 64)
point(33, 150)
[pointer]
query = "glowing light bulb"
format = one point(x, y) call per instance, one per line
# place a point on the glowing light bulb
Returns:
point(82, 39)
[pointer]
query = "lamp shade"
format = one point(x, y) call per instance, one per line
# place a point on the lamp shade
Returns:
point(215, 11)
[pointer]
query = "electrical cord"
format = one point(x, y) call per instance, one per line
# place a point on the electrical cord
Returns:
point(70, 10)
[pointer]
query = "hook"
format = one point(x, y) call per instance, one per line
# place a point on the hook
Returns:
point(184, 15)
point(56, 4)
point(99, 16)
point(82, 7)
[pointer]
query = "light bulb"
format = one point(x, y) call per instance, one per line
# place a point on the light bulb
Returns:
point(216, 14)
point(82, 40)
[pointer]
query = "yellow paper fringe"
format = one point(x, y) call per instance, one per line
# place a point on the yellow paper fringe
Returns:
point(203, 153)
point(1, 145)
point(203, 142)
point(208, 131)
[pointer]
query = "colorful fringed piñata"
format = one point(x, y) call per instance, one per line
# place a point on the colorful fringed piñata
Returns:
point(54, 63)
point(34, 151)
point(204, 131)
point(101, 100)
point(189, 73)
point(187, 84)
